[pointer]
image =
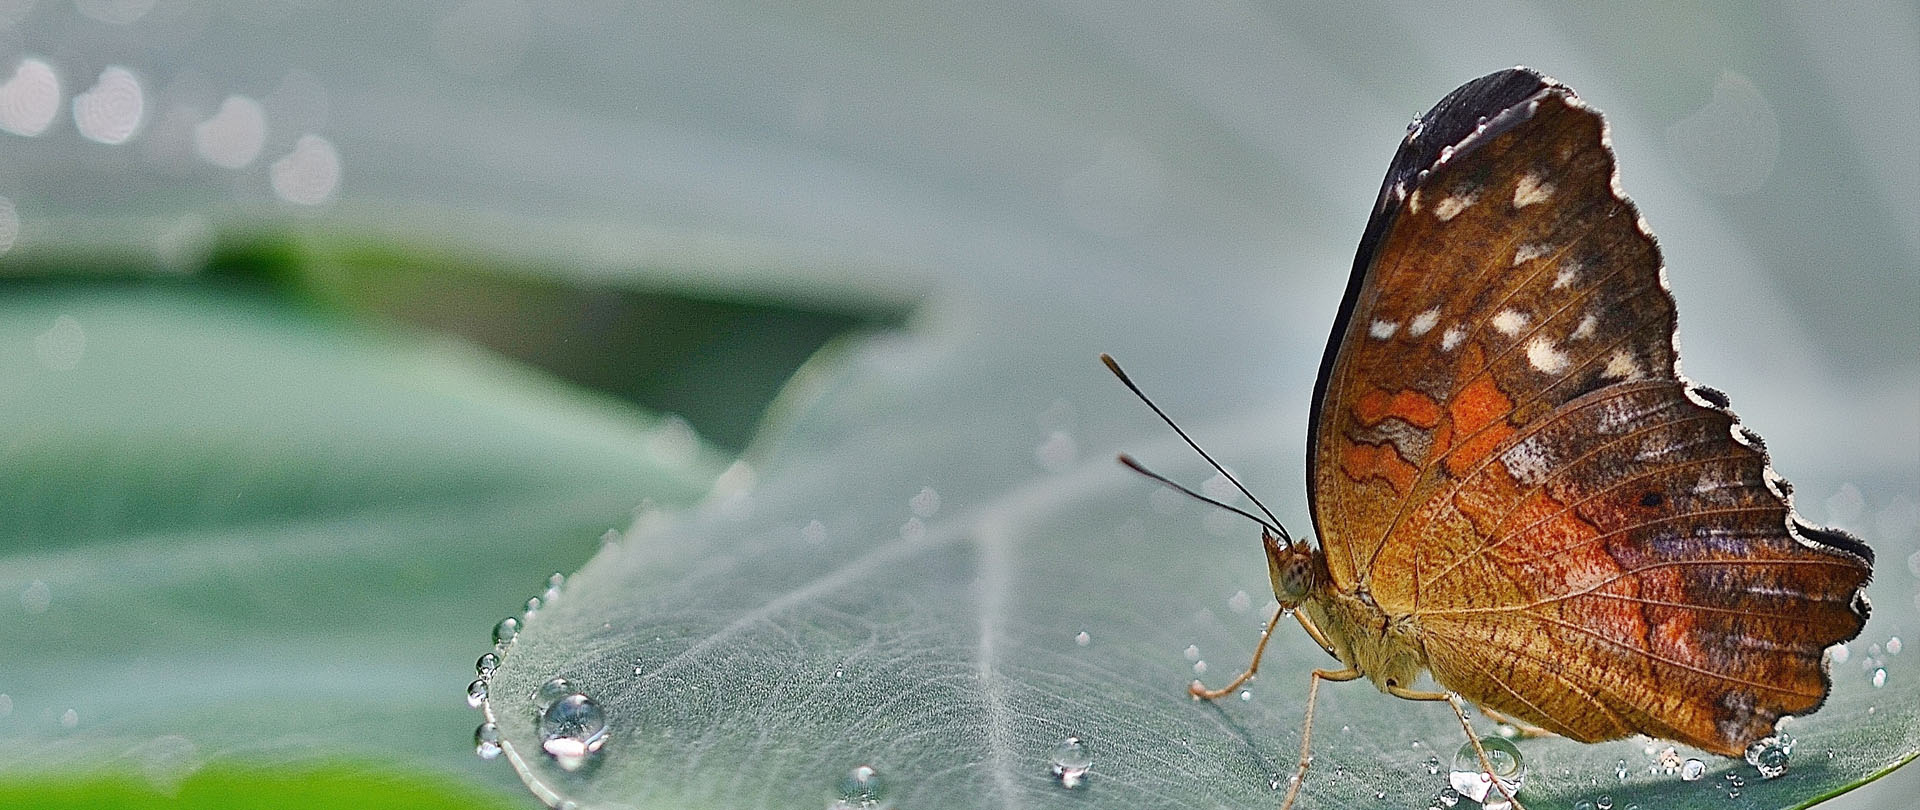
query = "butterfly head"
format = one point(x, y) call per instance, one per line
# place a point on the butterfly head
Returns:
point(1295, 568)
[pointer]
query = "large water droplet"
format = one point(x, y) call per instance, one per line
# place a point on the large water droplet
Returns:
point(486, 741)
point(1603, 803)
point(1770, 754)
point(504, 632)
point(486, 665)
point(1475, 783)
point(1070, 762)
point(1692, 770)
point(861, 787)
point(572, 729)
point(477, 692)
point(550, 692)
point(926, 504)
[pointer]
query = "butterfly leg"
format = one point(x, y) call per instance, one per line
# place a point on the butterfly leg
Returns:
point(1526, 729)
point(1453, 701)
point(1200, 690)
point(1306, 727)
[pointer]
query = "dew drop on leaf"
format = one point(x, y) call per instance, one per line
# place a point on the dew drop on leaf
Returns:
point(504, 632)
point(486, 665)
point(477, 692)
point(1070, 762)
point(1692, 770)
point(486, 741)
point(1471, 781)
point(861, 787)
point(572, 729)
point(550, 692)
point(1770, 754)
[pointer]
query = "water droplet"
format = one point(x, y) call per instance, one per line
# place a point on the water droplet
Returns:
point(1433, 765)
point(557, 580)
point(504, 632)
point(1620, 770)
point(1379, 794)
point(1083, 639)
point(1879, 677)
point(1692, 770)
point(1199, 667)
point(486, 741)
point(310, 175)
point(1603, 803)
point(1838, 653)
point(1070, 762)
point(1058, 453)
point(1193, 652)
point(486, 665)
point(113, 109)
point(550, 692)
point(232, 138)
point(572, 729)
point(69, 719)
point(1246, 695)
point(861, 787)
point(925, 504)
point(1471, 781)
point(1239, 602)
point(1668, 761)
point(913, 530)
point(814, 532)
point(1770, 754)
point(477, 692)
point(1448, 796)
point(1583, 804)
point(30, 100)
point(533, 606)
point(1893, 646)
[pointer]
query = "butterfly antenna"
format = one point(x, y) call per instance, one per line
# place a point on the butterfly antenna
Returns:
point(1271, 521)
point(1135, 466)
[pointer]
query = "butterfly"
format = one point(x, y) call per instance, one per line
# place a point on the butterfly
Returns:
point(1514, 488)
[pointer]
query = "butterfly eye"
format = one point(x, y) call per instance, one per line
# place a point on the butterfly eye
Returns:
point(1292, 574)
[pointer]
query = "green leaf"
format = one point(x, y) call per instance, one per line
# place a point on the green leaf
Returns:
point(242, 535)
point(744, 660)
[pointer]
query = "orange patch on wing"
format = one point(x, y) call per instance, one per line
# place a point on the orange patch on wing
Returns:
point(1362, 461)
point(1412, 407)
point(1479, 420)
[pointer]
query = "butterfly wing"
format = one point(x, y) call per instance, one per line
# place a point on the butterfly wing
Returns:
point(1504, 450)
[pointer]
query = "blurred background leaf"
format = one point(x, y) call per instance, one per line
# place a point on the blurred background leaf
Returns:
point(348, 324)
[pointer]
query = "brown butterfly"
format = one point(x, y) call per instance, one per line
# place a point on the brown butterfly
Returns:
point(1515, 489)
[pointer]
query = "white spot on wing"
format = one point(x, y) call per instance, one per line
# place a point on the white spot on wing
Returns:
point(1621, 366)
point(1527, 253)
point(1413, 201)
point(1381, 330)
point(1569, 272)
point(1528, 462)
point(1452, 206)
point(1544, 357)
point(1509, 322)
point(1586, 328)
point(1530, 190)
point(1450, 339)
point(1423, 322)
